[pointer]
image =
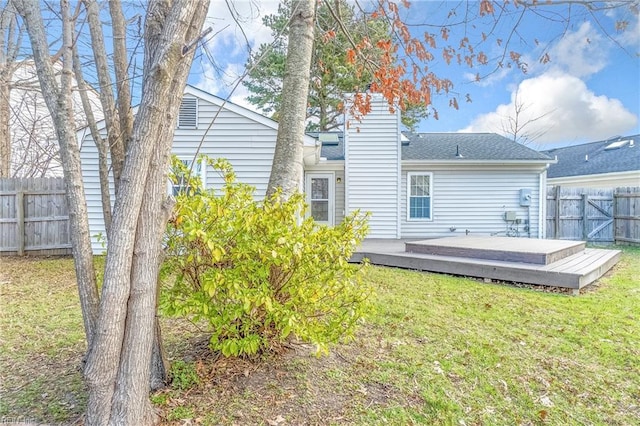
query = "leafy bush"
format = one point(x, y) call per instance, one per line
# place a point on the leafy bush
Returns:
point(259, 272)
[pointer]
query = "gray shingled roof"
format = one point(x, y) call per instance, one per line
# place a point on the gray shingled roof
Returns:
point(469, 146)
point(592, 158)
point(331, 151)
point(443, 146)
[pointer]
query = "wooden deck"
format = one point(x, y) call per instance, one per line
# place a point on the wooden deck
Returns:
point(575, 270)
point(527, 250)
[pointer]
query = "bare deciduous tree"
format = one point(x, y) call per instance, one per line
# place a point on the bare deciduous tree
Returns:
point(121, 338)
point(516, 125)
point(10, 40)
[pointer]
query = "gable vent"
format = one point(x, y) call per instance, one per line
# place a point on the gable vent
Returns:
point(188, 116)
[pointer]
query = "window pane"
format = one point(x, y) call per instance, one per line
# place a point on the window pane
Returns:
point(180, 184)
point(419, 185)
point(320, 188)
point(320, 210)
point(420, 207)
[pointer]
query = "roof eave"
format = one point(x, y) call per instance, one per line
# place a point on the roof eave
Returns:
point(478, 162)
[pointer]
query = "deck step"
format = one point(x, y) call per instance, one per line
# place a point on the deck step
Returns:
point(521, 250)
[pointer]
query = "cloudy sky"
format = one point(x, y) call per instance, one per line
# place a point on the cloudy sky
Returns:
point(589, 90)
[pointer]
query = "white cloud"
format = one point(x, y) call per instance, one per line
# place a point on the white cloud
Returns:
point(222, 85)
point(568, 111)
point(580, 53)
point(229, 48)
point(232, 35)
point(629, 37)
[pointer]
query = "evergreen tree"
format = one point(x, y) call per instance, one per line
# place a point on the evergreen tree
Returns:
point(332, 75)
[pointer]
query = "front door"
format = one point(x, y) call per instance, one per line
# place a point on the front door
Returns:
point(320, 188)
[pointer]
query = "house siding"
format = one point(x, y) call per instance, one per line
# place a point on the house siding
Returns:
point(372, 158)
point(247, 144)
point(473, 200)
point(604, 180)
point(91, 181)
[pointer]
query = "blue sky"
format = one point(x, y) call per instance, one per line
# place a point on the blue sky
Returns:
point(589, 90)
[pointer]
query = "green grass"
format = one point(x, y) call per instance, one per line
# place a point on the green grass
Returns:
point(437, 350)
point(41, 340)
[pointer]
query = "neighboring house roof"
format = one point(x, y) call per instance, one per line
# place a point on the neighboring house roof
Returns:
point(445, 146)
point(609, 156)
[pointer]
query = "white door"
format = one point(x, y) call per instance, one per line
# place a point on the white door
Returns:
point(320, 190)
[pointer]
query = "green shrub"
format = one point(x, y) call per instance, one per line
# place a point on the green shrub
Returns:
point(259, 272)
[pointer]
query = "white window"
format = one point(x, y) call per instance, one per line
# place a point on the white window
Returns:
point(188, 115)
point(419, 186)
point(180, 183)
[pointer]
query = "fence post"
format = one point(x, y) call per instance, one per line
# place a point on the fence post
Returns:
point(20, 222)
point(614, 215)
point(585, 218)
point(556, 221)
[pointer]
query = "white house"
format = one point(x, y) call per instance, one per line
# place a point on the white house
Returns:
point(34, 144)
point(610, 163)
point(414, 185)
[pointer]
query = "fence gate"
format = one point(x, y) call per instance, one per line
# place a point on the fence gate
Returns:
point(594, 215)
point(580, 214)
point(34, 217)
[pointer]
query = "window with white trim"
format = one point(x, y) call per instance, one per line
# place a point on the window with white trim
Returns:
point(188, 115)
point(180, 184)
point(419, 196)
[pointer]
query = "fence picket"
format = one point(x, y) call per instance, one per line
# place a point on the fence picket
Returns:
point(34, 218)
point(594, 215)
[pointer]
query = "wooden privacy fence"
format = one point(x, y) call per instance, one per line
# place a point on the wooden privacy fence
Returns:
point(34, 218)
point(594, 215)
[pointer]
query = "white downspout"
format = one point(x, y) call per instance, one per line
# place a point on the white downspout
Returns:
point(398, 176)
point(542, 203)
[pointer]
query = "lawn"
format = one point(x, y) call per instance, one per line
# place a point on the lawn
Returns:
point(436, 350)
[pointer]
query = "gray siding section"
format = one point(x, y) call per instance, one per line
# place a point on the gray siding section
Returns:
point(372, 158)
point(246, 143)
point(473, 199)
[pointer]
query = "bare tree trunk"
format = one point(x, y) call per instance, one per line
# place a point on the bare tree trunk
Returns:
point(10, 40)
point(118, 362)
point(134, 375)
point(101, 144)
point(287, 168)
point(117, 369)
point(5, 133)
point(121, 63)
point(58, 100)
point(107, 99)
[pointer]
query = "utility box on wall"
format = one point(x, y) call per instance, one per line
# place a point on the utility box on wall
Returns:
point(510, 216)
point(525, 197)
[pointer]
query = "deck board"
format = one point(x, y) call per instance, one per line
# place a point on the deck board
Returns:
point(526, 250)
point(574, 271)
